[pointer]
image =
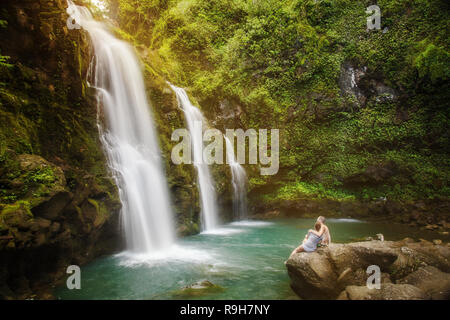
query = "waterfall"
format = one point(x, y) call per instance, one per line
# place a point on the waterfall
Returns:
point(239, 182)
point(129, 138)
point(195, 119)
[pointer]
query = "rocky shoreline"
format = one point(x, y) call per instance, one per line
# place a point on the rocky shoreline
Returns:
point(409, 271)
point(428, 215)
point(414, 212)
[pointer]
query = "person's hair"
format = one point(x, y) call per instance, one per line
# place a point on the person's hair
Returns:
point(321, 219)
point(317, 226)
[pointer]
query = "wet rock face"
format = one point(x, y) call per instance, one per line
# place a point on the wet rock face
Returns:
point(372, 176)
point(356, 82)
point(223, 113)
point(35, 35)
point(229, 114)
point(408, 271)
point(349, 79)
point(51, 208)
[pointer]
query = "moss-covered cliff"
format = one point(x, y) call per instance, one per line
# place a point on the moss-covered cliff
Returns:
point(363, 115)
point(58, 205)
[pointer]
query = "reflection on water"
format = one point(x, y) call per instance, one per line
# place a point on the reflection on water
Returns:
point(244, 260)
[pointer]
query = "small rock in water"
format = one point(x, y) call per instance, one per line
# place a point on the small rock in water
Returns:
point(198, 288)
point(437, 241)
point(201, 285)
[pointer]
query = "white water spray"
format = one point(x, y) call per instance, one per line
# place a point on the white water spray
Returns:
point(239, 182)
point(129, 138)
point(206, 188)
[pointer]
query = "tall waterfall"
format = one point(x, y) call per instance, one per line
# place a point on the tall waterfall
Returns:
point(195, 119)
point(129, 138)
point(239, 182)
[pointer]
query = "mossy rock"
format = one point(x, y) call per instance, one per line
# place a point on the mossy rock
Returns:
point(17, 215)
point(197, 289)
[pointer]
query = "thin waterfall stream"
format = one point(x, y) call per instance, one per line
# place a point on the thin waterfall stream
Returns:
point(239, 183)
point(195, 120)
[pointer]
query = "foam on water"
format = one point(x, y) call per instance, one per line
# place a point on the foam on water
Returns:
point(173, 254)
point(226, 230)
point(347, 220)
point(251, 223)
point(222, 231)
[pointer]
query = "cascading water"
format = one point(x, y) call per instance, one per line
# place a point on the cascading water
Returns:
point(129, 138)
point(195, 119)
point(239, 182)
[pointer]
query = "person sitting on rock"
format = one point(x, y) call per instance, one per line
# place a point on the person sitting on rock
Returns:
point(312, 239)
point(326, 240)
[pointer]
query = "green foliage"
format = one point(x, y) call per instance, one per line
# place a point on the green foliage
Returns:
point(41, 176)
point(432, 61)
point(4, 59)
point(298, 190)
point(24, 206)
point(281, 62)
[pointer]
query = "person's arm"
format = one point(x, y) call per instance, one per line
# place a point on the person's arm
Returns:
point(320, 232)
point(325, 239)
point(306, 236)
point(328, 236)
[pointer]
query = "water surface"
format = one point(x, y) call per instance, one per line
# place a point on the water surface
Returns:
point(246, 259)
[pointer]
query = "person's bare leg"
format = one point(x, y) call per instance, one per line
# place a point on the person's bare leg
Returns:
point(300, 249)
point(296, 250)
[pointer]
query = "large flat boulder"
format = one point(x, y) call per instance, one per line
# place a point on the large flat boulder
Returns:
point(340, 270)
